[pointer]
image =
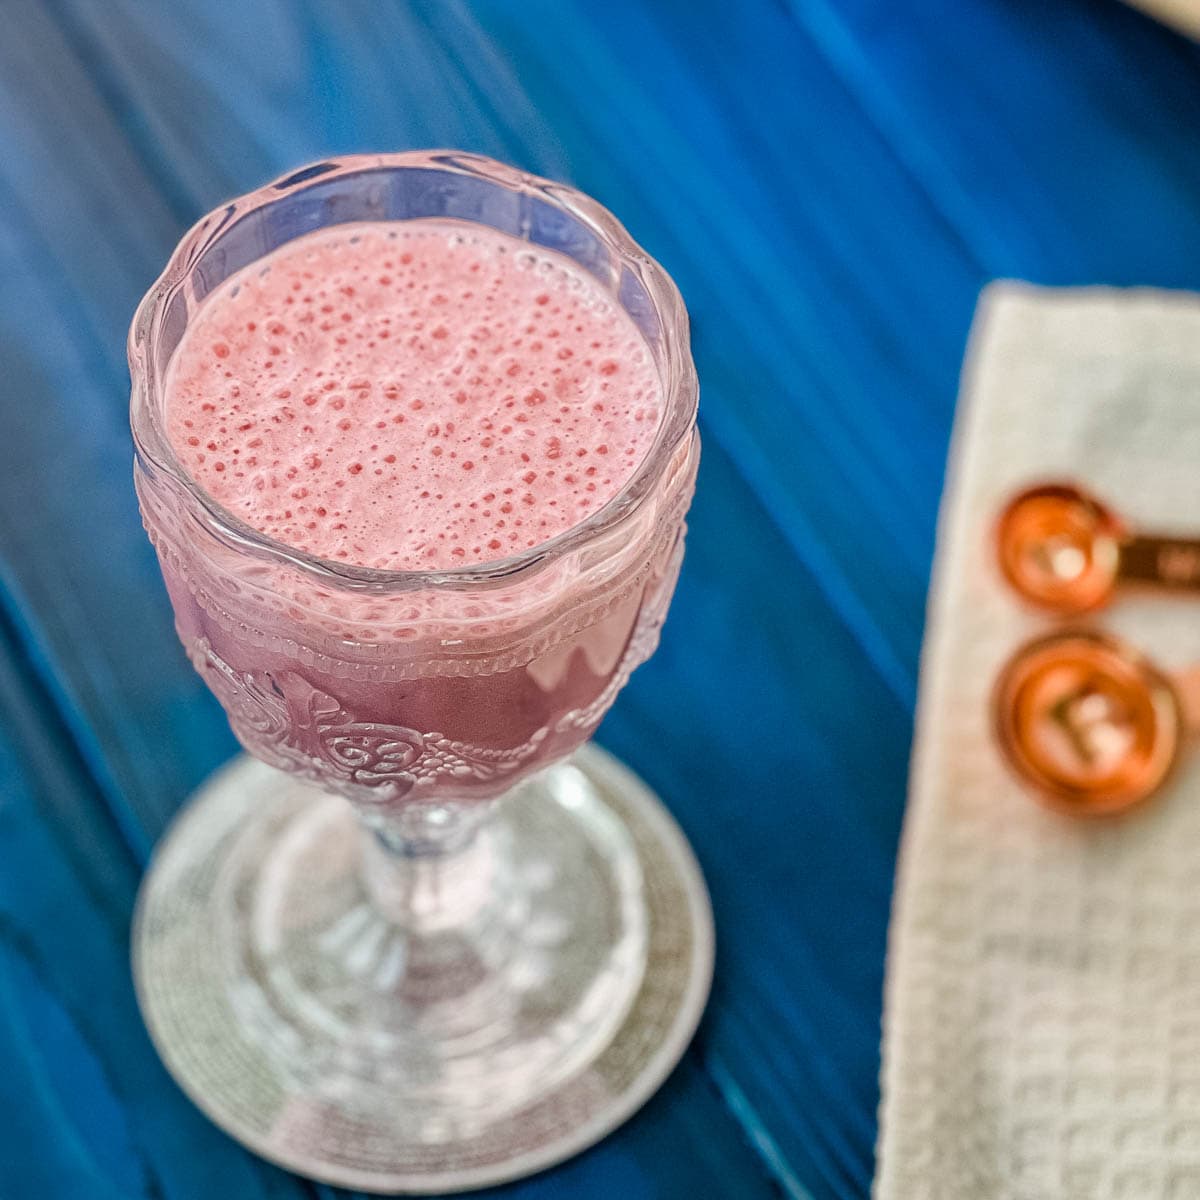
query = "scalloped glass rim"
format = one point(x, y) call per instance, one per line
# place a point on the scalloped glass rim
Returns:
point(680, 388)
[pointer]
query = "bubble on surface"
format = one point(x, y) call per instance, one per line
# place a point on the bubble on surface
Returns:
point(387, 333)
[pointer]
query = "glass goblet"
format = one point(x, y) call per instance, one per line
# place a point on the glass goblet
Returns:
point(499, 947)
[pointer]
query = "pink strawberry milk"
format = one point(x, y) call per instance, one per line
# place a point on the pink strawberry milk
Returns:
point(401, 406)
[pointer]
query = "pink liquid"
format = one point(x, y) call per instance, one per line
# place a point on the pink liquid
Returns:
point(418, 396)
point(412, 396)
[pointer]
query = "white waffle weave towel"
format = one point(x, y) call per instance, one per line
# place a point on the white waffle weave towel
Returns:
point(1042, 1015)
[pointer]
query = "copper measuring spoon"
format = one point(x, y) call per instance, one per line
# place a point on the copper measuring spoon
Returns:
point(1089, 723)
point(1063, 549)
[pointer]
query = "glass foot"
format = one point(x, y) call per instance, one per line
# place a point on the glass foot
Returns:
point(562, 964)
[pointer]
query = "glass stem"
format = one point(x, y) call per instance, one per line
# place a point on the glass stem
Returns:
point(430, 868)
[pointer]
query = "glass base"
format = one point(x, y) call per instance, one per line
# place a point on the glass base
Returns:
point(562, 962)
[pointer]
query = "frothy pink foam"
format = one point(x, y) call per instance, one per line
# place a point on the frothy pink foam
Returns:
point(411, 396)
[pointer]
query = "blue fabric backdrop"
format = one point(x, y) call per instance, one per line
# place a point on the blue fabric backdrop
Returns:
point(830, 182)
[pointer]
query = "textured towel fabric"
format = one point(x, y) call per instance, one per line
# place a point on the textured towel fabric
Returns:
point(1042, 1016)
